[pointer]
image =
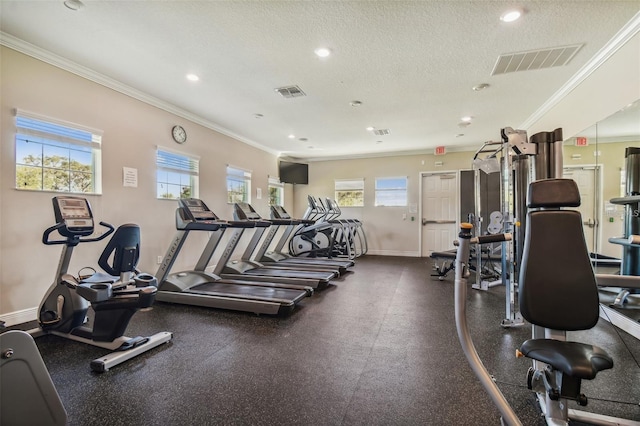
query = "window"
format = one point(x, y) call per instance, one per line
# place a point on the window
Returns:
point(238, 185)
point(391, 191)
point(349, 192)
point(176, 174)
point(276, 192)
point(52, 155)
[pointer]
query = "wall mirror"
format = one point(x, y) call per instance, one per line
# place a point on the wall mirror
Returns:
point(595, 159)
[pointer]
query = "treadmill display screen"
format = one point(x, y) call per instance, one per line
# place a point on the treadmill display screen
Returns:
point(192, 203)
point(198, 209)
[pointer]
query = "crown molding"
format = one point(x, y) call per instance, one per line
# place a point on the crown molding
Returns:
point(50, 58)
point(625, 34)
point(429, 151)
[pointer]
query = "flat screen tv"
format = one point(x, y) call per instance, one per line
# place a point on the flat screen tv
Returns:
point(297, 173)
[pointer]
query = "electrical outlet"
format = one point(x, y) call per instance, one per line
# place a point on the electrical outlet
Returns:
point(159, 260)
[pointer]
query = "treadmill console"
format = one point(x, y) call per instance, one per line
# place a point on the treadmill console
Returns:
point(193, 213)
point(74, 213)
point(244, 211)
point(278, 212)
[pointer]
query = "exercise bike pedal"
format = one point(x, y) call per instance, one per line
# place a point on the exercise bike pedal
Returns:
point(133, 343)
point(49, 314)
point(582, 400)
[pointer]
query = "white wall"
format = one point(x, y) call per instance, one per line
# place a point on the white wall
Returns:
point(387, 232)
point(132, 130)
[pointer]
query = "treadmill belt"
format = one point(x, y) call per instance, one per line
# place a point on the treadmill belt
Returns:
point(316, 262)
point(249, 291)
point(290, 273)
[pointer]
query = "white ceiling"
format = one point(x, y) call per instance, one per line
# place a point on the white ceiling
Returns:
point(412, 64)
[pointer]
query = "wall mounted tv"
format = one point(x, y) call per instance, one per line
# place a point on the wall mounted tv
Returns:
point(297, 173)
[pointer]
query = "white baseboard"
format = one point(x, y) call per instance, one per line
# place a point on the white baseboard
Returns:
point(394, 253)
point(19, 317)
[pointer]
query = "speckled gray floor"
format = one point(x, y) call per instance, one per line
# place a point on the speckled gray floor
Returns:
point(378, 347)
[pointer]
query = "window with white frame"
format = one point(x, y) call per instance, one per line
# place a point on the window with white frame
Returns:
point(391, 191)
point(176, 174)
point(53, 155)
point(276, 192)
point(238, 185)
point(349, 192)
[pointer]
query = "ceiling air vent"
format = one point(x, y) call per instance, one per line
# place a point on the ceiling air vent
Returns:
point(381, 132)
point(535, 59)
point(290, 91)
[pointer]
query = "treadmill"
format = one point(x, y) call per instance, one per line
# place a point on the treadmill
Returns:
point(279, 217)
point(197, 287)
point(245, 267)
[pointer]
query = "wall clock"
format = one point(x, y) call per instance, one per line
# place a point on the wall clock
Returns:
point(179, 134)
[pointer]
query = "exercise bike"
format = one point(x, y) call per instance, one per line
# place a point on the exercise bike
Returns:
point(114, 297)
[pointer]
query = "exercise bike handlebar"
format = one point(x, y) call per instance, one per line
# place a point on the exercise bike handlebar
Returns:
point(464, 335)
point(48, 231)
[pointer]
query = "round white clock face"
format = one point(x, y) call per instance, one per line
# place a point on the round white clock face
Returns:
point(179, 134)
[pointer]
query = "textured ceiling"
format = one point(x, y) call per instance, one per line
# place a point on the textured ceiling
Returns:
point(411, 64)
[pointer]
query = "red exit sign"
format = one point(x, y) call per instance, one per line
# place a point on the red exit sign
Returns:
point(440, 150)
point(582, 141)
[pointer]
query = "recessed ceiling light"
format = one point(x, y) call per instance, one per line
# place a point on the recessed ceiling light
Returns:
point(466, 118)
point(322, 52)
point(192, 77)
point(511, 15)
point(74, 4)
point(479, 87)
point(291, 136)
point(370, 129)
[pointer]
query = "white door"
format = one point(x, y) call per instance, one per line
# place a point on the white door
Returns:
point(586, 178)
point(439, 212)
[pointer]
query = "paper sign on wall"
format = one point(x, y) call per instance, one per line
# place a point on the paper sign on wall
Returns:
point(130, 177)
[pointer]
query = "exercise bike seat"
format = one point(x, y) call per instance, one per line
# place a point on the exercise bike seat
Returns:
point(574, 359)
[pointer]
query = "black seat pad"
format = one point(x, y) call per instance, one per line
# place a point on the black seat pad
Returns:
point(571, 358)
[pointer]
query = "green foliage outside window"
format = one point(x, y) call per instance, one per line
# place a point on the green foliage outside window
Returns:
point(238, 185)
point(53, 173)
point(274, 196)
point(349, 192)
point(350, 198)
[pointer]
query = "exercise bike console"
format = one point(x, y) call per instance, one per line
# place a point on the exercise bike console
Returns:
point(73, 221)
